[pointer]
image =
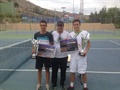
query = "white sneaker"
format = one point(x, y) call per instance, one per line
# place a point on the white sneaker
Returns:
point(47, 87)
point(39, 87)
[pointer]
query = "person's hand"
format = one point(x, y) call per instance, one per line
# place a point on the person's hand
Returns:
point(82, 53)
point(40, 53)
point(63, 49)
point(33, 51)
point(85, 52)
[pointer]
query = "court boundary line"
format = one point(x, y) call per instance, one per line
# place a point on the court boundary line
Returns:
point(114, 42)
point(35, 70)
point(105, 48)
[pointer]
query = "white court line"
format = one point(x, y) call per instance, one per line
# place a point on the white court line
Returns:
point(14, 44)
point(98, 40)
point(35, 70)
point(114, 42)
point(105, 48)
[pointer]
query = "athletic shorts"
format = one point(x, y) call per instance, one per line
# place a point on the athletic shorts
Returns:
point(40, 61)
point(78, 64)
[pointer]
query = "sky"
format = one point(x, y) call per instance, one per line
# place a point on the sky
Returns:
point(73, 6)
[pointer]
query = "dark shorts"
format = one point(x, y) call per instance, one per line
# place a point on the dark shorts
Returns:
point(40, 61)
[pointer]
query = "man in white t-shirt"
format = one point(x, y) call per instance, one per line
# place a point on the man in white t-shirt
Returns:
point(78, 62)
point(60, 60)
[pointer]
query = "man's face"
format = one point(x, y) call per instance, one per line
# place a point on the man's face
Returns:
point(76, 26)
point(60, 28)
point(43, 26)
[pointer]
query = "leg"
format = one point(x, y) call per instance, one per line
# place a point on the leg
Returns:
point(84, 78)
point(55, 67)
point(39, 65)
point(47, 63)
point(82, 70)
point(63, 65)
point(73, 69)
point(47, 75)
point(39, 76)
point(72, 79)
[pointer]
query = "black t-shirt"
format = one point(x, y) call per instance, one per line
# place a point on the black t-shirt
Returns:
point(43, 38)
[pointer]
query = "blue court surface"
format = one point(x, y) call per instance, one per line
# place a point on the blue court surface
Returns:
point(103, 70)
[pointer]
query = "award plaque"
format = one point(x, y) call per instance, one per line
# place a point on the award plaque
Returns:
point(46, 50)
point(68, 45)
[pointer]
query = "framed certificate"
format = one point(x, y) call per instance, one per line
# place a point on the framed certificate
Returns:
point(68, 45)
point(46, 50)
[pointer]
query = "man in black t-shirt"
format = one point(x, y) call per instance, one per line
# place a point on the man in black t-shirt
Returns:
point(43, 37)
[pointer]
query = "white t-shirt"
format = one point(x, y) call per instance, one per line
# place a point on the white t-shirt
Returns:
point(64, 35)
point(83, 34)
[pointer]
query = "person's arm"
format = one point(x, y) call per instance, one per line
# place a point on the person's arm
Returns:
point(33, 49)
point(87, 47)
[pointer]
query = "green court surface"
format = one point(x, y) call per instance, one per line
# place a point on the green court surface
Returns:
point(16, 34)
point(28, 34)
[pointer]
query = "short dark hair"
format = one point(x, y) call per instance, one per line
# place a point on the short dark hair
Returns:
point(43, 21)
point(76, 20)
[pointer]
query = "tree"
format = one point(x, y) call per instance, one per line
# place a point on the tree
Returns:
point(103, 15)
point(113, 13)
point(91, 18)
point(16, 4)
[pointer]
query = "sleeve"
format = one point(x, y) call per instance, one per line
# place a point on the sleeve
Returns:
point(87, 35)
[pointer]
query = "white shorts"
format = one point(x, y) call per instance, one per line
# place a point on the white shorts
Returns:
point(78, 64)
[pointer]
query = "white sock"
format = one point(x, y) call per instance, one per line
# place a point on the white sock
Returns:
point(47, 85)
point(85, 85)
point(39, 84)
point(72, 84)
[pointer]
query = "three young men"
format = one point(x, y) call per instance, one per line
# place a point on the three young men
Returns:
point(78, 63)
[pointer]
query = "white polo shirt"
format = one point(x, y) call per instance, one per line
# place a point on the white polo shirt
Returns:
point(64, 35)
point(83, 33)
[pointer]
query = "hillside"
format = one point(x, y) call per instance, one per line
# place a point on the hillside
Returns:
point(26, 7)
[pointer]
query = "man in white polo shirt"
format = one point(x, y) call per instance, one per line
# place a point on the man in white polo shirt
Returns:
point(61, 58)
point(78, 62)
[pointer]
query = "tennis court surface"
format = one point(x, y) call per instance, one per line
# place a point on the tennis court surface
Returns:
point(103, 69)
